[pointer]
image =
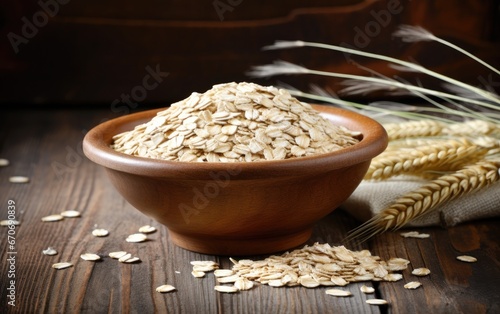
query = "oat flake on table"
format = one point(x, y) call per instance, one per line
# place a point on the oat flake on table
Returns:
point(235, 122)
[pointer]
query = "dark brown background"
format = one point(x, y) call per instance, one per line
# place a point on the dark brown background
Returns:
point(91, 52)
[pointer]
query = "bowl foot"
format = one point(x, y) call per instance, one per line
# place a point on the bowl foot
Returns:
point(240, 246)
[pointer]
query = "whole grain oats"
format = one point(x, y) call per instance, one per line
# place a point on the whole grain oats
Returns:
point(235, 123)
point(198, 274)
point(49, 251)
point(338, 293)
point(204, 266)
point(117, 255)
point(421, 271)
point(412, 285)
point(100, 232)
point(223, 272)
point(243, 284)
point(228, 279)
point(467, 258)
point(136, 238)
point(376, 301)
point(5, 223)
point(19, 179)
point(366, 289)
point(90, 257)
point(415, 234)
point(128, 258)
point(124, 257)
point(134, 259)
point(62, 265)
point(52, 218)
point(147, 229)
point(226, 289)
point(165, 288)
point(70, 214)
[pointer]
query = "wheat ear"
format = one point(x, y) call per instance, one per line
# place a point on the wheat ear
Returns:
point(413, 129)
point(428, 197)
point(418, 159)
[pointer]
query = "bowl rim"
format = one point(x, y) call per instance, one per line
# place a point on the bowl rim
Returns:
point(96, 146)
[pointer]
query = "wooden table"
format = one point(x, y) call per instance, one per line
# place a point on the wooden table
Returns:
point(45, 145)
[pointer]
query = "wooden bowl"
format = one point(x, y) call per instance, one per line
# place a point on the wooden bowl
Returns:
point(242, 208)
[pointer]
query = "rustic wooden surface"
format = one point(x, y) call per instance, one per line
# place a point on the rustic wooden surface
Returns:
point(45, 145)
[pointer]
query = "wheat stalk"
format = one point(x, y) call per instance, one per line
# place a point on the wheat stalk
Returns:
point(422, 200)
point(409, 33)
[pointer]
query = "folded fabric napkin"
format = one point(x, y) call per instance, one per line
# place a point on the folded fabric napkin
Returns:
point(371, 197)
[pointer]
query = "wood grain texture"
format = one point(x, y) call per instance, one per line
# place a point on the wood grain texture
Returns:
point(45, 145)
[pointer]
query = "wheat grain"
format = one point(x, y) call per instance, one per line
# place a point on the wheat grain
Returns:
point(429, 196)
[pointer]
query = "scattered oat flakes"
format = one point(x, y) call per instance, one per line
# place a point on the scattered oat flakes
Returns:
point(397, 263)
point(366, 289)
point(276, 283)
point(308, 281)
point(205, 263)
point(118, 254)
point(70, 214)
point(198, 274)
point(132, 260)
point(421, 271)
point(223, 272)
point(125, 257)
point(128, 258)
point(90, 257)
point(338, 293)
point(136, 238)
point(5, 223)
point(100, 232)
point(243, 284)
point(376, 301)
point(61, 265)
point(165, 288)
point(147, 229)
point(49, 251)
point(467, 258)
point(4, 162)
point(204, 266)
point(52, 218)
point(226, 289)
point(393, 277)
point(228, 279)
point(19, 179)
point(412, 285)
point(414, 234)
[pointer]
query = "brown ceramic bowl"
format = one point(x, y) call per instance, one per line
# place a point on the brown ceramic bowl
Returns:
point(242, 208)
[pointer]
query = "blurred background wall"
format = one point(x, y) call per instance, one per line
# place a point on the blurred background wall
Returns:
point(153, 52)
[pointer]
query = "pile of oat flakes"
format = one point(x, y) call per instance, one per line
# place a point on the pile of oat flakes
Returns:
point(235, 122)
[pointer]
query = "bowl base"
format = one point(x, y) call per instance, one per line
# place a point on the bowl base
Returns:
point(239, 246)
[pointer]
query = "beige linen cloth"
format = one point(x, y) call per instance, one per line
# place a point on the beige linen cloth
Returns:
point(371, 197)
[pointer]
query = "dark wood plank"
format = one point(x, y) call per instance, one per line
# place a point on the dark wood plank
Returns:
point(45, 145)
point(452, 286)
